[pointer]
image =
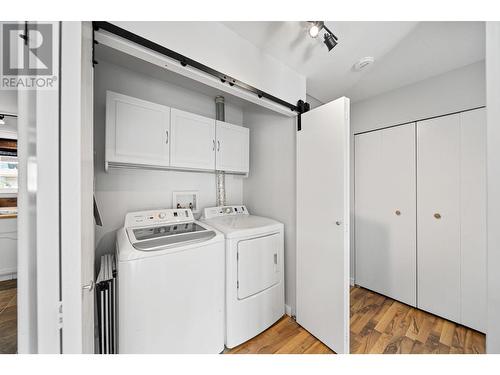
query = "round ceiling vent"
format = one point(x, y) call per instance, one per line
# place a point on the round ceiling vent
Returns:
point(363, 63)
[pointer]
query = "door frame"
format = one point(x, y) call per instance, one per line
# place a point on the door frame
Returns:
point(77, 170)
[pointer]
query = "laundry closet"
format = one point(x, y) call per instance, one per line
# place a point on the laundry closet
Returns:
point(420, 214)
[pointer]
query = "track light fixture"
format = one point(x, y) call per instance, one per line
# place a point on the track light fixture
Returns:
point(2, 121)
point(330, 39)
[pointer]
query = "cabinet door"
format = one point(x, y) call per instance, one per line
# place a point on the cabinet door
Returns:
point(438, 216)
point(473, 218)
point(193, 141)
point(136, 131)
point(385, 212)
point(232, 148)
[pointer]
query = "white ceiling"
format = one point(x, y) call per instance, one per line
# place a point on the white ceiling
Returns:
point(405, 52)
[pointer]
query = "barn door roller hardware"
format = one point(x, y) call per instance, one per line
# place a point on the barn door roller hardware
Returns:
point(186, 61)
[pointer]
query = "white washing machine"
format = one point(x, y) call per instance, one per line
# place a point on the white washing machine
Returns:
point(255, 294)
point(170, 284)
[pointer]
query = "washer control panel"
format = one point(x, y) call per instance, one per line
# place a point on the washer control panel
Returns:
point(211, 212)
point(165, 216)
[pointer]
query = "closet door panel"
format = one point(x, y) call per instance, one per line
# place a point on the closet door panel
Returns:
point(473, 218)
point(438, 216)
point(385, 212)
point(369, 233)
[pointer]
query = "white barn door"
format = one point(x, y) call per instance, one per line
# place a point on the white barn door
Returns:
point(323, 224)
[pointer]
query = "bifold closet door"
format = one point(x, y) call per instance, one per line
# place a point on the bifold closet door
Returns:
point(473, 218)
point(385, 212)
point(438, 213)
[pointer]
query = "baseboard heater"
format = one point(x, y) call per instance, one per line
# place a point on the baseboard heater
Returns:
point(106, 305)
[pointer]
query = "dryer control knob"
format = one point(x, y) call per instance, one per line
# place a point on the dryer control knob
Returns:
point(162, 215)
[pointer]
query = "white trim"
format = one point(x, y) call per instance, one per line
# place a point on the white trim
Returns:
point(288, 310)
point(8, 271)
point(352, 281)
point(71, 219)
point(155, 58)
point(8, 276)
point(47, 215)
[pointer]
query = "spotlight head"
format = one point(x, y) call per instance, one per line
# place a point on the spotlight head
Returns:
point(313, 31)
point(330, 41)
point(314, 28)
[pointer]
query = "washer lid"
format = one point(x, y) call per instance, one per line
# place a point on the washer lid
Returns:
point(152, 238)
point(244, 225)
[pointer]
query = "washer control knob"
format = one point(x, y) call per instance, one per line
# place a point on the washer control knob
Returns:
point(228, 210)
point(162, 215)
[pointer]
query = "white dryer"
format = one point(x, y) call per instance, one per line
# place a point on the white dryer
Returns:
point(255, 294)
point(170, 284)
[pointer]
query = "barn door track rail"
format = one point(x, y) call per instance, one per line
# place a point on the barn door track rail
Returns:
point(300, 107)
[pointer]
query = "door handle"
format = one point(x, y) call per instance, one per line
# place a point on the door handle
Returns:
point(397, 212)
point(89, 286)
point(218, 145)
point(338, 222)
point(437, 215)
point(213, 147)
point(166, 142)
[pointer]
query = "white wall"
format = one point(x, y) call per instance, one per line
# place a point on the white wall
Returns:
point(493, 157)
point(217, 46)
point(8, 101)
point(119, 191)
point(270, 188)
point(454, 91)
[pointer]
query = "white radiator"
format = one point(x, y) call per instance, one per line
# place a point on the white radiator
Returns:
point(106, 305)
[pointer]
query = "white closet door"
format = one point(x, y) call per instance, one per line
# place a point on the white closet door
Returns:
point(385, 218)
point(473, 218)
point(232, 148)
point(438, 216)
point(136, 131)
point(193, 141)
point(323, 224)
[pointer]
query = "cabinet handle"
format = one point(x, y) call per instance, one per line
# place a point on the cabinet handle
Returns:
point(437, 215)
point(397, 212)
point(218, 145)
point(213, 147)
point(166, 142)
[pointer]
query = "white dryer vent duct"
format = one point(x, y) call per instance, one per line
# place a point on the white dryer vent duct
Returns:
point(220, 176)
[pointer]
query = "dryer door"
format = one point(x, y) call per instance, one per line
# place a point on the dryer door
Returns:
point(258, 264)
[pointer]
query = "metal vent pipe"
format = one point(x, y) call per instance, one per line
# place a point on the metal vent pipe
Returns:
point(220, 176)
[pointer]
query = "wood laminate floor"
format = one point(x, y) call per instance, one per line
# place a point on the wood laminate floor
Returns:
point(382, 325)
point(8, 317)
point(378, 325)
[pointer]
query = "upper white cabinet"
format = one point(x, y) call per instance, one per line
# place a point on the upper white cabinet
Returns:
point(137, 131)
point(141, 133)
point(232, 146)
point(193, 141)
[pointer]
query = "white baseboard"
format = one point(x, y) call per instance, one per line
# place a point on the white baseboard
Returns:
point(352, 281)
point(288, 310)
point(7, 276)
